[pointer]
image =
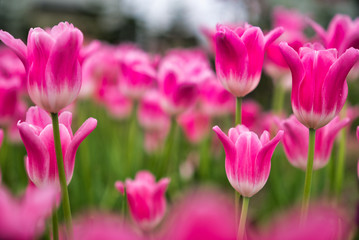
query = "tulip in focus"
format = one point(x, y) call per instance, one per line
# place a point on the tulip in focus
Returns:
point(295, 141)
point(51, 59)
point(248, 158)
point(239, 56)
point(146, 199)
point(37, 134)
point(319, 87)
point(24, 218)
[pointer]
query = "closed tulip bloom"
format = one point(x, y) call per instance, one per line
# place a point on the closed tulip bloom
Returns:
point(37, 134)
point(146, 199)
point(319, 87)
point(25, 218)
point(51, 59)
point(296, 137)
point(239, 56)
point(248, 158)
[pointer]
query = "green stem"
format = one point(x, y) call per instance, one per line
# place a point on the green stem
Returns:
point(339, 174)
point(243, 219)
point(238, 110)
point(132, 140)
point(204, 162)
point(308, 174)
point(55, 230)
point(62, 176)
point(166, 166)
point(237, 197)
point(278, 98)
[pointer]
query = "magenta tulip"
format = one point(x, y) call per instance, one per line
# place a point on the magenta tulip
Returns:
point(248, 158)
point(37, 134)
point(295, 141)
point(24, 218)
point(195, 124)
point(51, 59)
point(146, 199)
point(319, 87)
point(239, 56)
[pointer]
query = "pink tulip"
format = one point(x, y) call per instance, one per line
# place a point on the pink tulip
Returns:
point(51, 59)
point(248, 158)
point(342, 33)
point(24, 218)
point(37, 134)
point(179, 75)
point(323, 222)
point(318, 77)
point(203, 215)
point(150, 113)
point(293, 23)
point(239, 56)
point(295, 141)
point(102, 226)
point(9, 98)
point(137, 70)
point(214, 99)
point(195, 124)
point(155, 140)
point(146, 199)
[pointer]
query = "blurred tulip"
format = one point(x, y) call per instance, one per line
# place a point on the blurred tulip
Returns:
point(37, 134)
point(251, 113)
point(239, 56)
point(179, 75)
point(318, 78)
point(296, 137)
point(323, 222)
point(150, 113)
point(24, 218)
point(1, 136)
point(155, 140)
point(203, 215)
point(137, 70)
point(146, 199)
point(102, 226)
point(195, 124)
point(248, 158)
point(51, 59)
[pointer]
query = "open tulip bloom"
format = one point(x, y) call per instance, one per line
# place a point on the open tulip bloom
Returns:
point(248, 162)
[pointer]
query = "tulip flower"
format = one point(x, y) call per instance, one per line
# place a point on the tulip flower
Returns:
point(179, 75)
point(24, 218)
point(146, 199)
point(205, 214)
point(319, 86)
point(295, 141)
point(247, 158)
point(51, 59)
point(239, 56)
point(195, 124)
point(37, 134)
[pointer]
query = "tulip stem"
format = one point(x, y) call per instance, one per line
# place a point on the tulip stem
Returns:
point(132, 134)
point(278, 98)
point(167, 151)
point(55, 230)
point(308, 174)
point(238, 110)
point(338, 180)
point(242, 221)
point(61, 170)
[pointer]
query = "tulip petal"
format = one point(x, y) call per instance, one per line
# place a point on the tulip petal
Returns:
point(38, 117)
point(318, 29)
point(16, 45)
point(145, 176)
point(335, 86)
point(38, 161)
point(272, 36)
point(228, 145)
point(120, 186)
point(296, 67)
point(87, 127)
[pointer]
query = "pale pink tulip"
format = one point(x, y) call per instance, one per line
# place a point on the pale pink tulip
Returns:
point(155, 140)
point(51, 59)
point(146, 199)
point(296, 137)
point(24, 218)
point(239, 56)
point(319, 87)
point(37, 134)
point(248, 158)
